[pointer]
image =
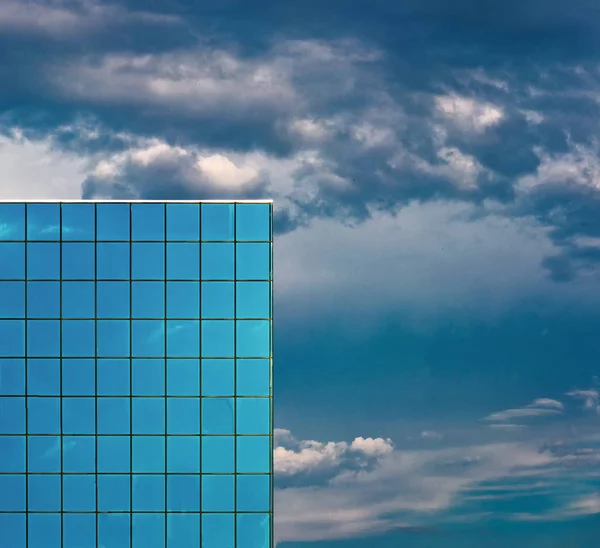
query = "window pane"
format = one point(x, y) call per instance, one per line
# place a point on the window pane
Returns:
point(253, 222)
point(253, 530)
point(43, 338)
point(43, 261)
point(217, 261)
point(183, 493)
point(184, 530)
point(183, 338)
point(217, 338)
point(12, 493)
point(12, 375)
point(148, 530)
point(79, 530)
point(217, 299)
point(113, 261)
point(218, 530)
point(148, 377)
point(12, 261)
point(43, 299)
point(147, 222)
point(114, 530)
point(79, 494)
point(13, 527)
point(43, 221)
point(183, 377)
point(148, 299)
point(78, 415)
point(217, 416)
point(253, 415)
point(113, 493)
point(183, 454)
point(78, 299)
point(43, 377)
point(79, 453)
point(12, 454)
point(78, 261)
point(217, 493)
point(253, 338)
point(183, 300)
point(78, 377)
point(113, 338)
point(78, 222)
point(12, 338)
point(253, 454)
point(218, 454)
point(253, 377)
point(217, 377)
point(183, 222)
point(148, 339)
point(44, 531)
point(113, 377)
point(148, 261)
point(112, 221)
point(217, 221)
point(148, 493)
point(183, 415)
point(113, 415)
point(78, 338)
point(44, 453)
point(148, 415)
point(253, 493)
point(12, 299)
point(12, 222)
point(43, 415)
point(183, 261)
point(113, 299)
point(149, 454)
point(253, 261)
point(253, 300)
point(113, 454)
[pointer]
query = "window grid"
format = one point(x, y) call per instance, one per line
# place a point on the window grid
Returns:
point(130, 357)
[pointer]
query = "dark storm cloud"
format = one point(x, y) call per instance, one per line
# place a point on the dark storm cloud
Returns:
point(518, 84)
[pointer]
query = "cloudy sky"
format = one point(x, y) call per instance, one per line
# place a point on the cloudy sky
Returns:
point(435, 171)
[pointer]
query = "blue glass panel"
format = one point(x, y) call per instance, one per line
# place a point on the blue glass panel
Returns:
point(183, 415)
point(113, 415)
point(79, 530)
point(148, 531)
point(78, 377)
point(112, 261)
point(253, 338)
point(114, 530)
point(13, 526)
point(113, 299)
point(147, 222)
point(79, 453)
point(78, 299)
point(12, 338)
point(12, 261)
point(183, 493)
point(148, 415)
point(79, 415)
point(78, 338)
point(218, 530)
point(112, 338)
point(113, 454)
point(44, 453)
point(148, 261)
point(253, 222)
point(43, 299)
point(253, 454)
point(12, 376)
point(148, 338)
point(183, 338)
point(12, 299)
point(217, 377)
point(148, 377)
point(43, 221)
point(183, 530)
point(183, 222)
point(217, 299)
point(183, 300)
point(253, 531)
point(44, 492)
point(12, 454)
point(183, 454)
point(148, 493)
point(253, 493)
point(183, 377)
point(183, 261)
point(218, 454)
point(78, 261)
point(113, 377)
point(78, 222)
point(79, 493)
point(217, 221)
point(253, 300)
point(217, 493)
point(12, 415)
point(148, 299)
point(12, 222)
point(217, 416)
point(218, 261)
point(253, 261)
point(253, 377)
point(43, 377)
point(12, 493)
point(149, 454)
point(43, 415)
point(44, 531)
point(253, 415)
point(43, 338)
point(113, 493)
point(112, 221)
point(217, 338)
point(43, 261)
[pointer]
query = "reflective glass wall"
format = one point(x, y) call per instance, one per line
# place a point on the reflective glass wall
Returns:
point(135, 375)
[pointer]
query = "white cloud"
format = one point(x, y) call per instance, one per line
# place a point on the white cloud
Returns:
point(467, 113)
point(541, 407)
point(430, 435)
point(589, 398)
point(37, 169)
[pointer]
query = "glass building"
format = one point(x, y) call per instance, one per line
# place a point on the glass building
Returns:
point(135, 375)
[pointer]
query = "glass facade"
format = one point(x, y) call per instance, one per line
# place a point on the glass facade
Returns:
point(135, 375)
